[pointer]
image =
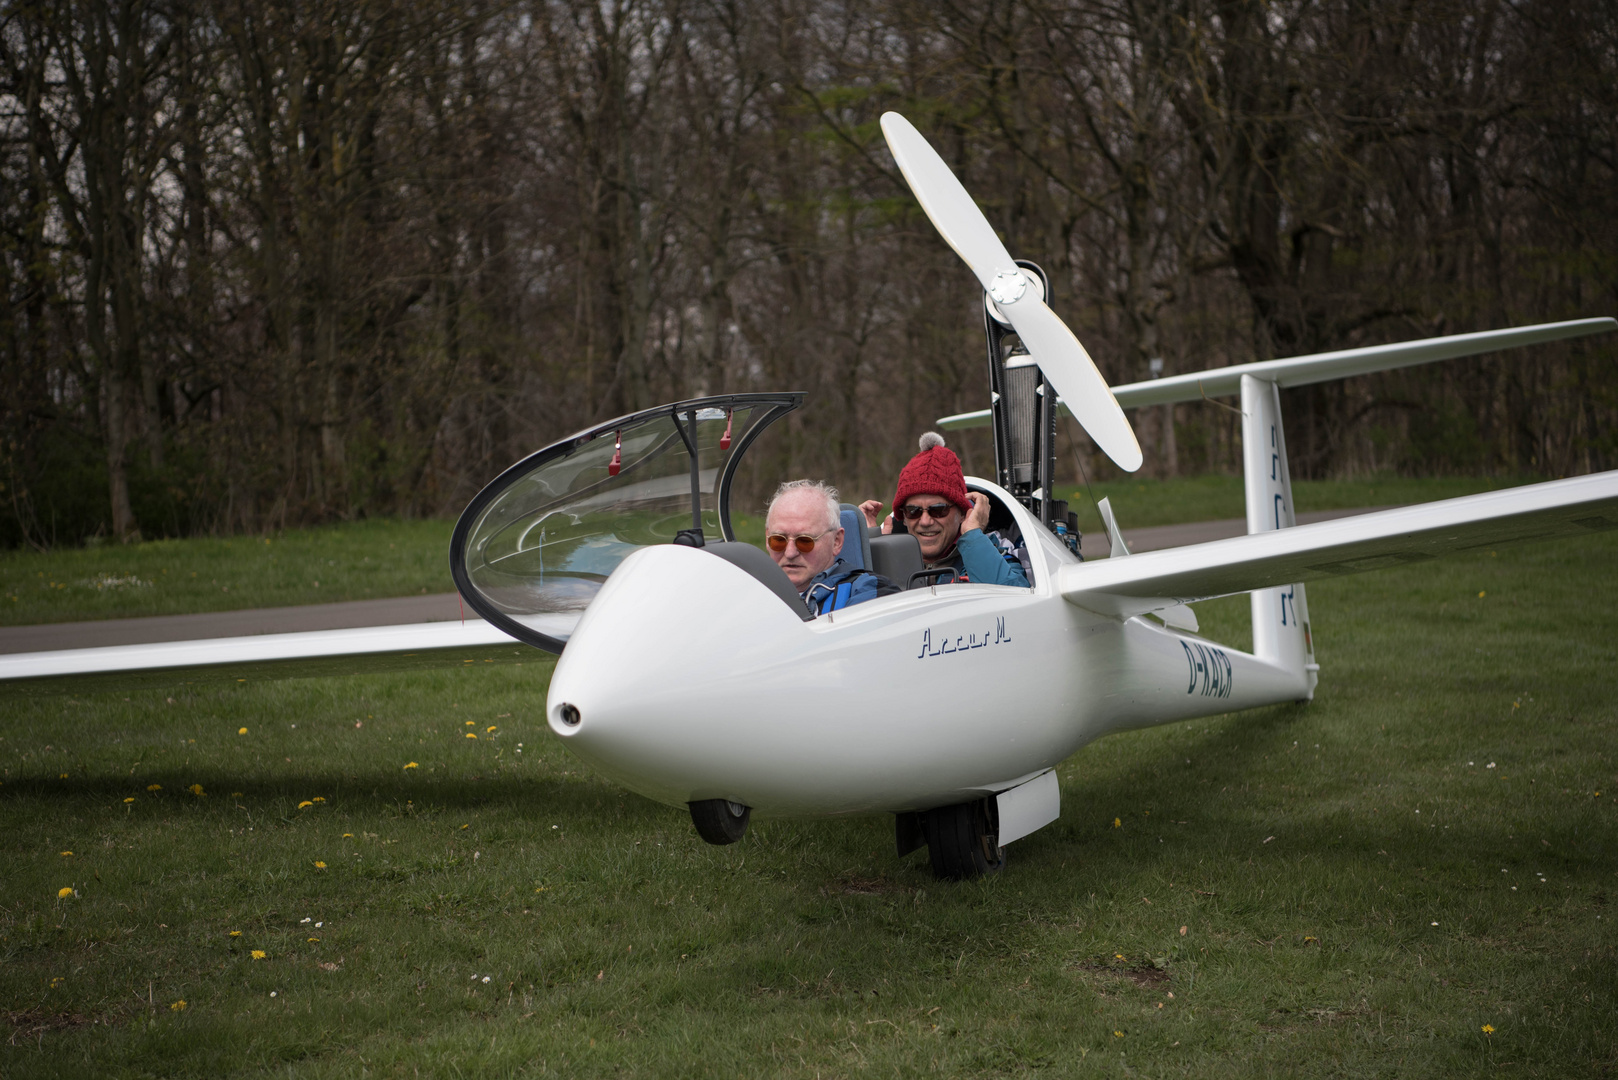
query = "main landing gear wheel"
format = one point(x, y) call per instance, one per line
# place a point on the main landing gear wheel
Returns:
point(720, 821)
point(963, 840)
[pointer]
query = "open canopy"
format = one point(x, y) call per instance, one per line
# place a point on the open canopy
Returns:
point(533, 548)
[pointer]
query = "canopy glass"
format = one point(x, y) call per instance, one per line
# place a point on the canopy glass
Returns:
point(533, 548)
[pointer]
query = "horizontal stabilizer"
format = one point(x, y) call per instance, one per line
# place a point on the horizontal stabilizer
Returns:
point(1323, 367)
point(261, 656)
point(1156, 580)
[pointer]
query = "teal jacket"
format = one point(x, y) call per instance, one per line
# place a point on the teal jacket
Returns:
point(983, 558)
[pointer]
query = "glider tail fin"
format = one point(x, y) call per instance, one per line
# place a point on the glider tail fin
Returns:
point(1281, 632)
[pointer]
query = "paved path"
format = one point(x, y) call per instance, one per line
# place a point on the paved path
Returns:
point(443, 607)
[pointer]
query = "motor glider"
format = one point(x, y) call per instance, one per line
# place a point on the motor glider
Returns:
point(690, 671)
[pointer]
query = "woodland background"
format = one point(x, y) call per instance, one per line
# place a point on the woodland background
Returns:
point(265, 264)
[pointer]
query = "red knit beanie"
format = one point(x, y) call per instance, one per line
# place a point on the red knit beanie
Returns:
point(934, 471)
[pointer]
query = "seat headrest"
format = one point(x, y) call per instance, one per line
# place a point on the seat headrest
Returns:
point(854, 542)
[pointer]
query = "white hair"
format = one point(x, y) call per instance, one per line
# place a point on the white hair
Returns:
point(834, 508)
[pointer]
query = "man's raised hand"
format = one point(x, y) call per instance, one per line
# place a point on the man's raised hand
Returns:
point(979, 517)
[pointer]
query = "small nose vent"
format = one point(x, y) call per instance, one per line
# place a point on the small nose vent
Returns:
point(569, 714)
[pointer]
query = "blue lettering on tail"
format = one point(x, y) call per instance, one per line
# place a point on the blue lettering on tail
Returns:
point(1210, 671)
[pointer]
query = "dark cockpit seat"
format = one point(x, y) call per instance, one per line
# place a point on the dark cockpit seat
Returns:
point(896, 557)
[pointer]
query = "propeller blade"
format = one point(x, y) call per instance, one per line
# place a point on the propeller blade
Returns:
point(953, 213)
point(1047, 338)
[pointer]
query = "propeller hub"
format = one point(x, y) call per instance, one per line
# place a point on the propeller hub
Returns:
point(1008, 286)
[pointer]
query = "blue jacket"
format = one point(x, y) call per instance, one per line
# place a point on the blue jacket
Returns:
point(980, 558)
point(840, 585)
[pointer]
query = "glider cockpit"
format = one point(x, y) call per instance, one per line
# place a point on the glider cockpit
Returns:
point(535, 546)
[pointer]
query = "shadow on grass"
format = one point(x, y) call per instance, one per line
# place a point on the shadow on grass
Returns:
point(537, 797)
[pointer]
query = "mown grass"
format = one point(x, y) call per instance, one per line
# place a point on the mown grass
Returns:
point(372, 559)
point(1307, 851)
point(354, 561)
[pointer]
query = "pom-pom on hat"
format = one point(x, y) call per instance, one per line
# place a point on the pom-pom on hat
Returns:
point(934, 471)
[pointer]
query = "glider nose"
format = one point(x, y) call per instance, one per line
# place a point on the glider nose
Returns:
point(648, 681)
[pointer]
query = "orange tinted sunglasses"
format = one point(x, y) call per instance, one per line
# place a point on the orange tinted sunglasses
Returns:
point(804, 542)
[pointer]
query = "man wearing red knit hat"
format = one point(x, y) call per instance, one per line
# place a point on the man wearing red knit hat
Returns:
point(947, 520)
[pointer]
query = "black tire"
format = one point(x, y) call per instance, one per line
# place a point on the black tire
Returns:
point(720, 821)
point(963, 840)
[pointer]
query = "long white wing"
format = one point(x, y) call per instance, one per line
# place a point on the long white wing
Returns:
point(1321, 367)
point(1159, 579)
point(264, 656)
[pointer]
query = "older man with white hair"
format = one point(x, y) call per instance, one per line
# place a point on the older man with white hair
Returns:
point(804, 535)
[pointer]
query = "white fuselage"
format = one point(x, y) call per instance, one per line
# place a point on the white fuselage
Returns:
point(691, 681)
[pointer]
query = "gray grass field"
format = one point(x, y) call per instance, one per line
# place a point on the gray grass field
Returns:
point(1410, 876)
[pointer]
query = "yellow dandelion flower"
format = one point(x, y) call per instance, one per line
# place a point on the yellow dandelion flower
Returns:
point(130, 799)
point(66, 853)
point(235, 933)
point(258, 954)
point(471, 723)
point(305, 803)
point(348, 836)
point(241, 731)
point(492, 728)
point(62, 776)
point(196, 789)
point(1481, 595)
point(1117, 823)
point(1488, 1029)
point(1117, 956)
point(319, 865)
point(466, 826)
point(1117, 1034)
point(314, 941)
point(154, 787)
point(471, 734)
point(64, 892)
point(412, 765)
point(178, 1006)
point(320, 798)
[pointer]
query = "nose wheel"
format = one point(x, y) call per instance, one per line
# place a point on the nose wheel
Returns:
point(720, 821)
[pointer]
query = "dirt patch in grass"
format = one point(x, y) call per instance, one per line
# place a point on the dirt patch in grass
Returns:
point(1144, 973)
point(29, 1024)
point(855, 885)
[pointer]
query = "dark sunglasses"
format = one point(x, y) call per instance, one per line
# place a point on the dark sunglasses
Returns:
point(937, 511)
point(804, 542)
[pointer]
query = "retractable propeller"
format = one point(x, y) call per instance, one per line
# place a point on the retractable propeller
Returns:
point(1048, 340)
